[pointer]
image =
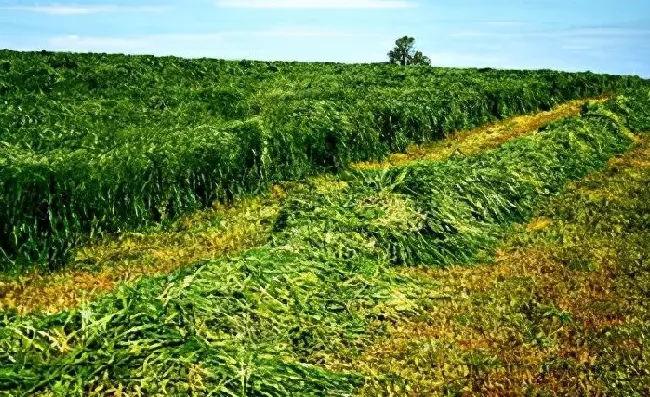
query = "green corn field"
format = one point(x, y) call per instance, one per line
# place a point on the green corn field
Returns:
point(95, 147)
point(95, 144)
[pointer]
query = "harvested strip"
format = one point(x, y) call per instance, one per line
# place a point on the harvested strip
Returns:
point(481, 138)
point(564, 311)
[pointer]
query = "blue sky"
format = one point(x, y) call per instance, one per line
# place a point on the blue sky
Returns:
point(611, 36)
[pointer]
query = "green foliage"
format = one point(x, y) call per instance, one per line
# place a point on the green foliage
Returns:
point(633, 107)
point(443, 213)
point(405, 54)
point(94, 144)
point(262, 323)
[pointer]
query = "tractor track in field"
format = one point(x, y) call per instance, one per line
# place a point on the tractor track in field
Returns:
point(223, 230)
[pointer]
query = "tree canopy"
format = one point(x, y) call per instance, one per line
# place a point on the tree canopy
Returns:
point(405, 54)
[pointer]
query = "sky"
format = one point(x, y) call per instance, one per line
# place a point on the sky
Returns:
point(608, 36)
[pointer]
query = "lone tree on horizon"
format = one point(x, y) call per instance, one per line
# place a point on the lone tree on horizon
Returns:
point(405, 54)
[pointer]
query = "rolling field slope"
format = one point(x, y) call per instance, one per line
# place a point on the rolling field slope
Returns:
point(309, 312)
point(174, 227)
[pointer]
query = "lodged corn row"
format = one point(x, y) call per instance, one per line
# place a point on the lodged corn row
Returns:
point(91, 144)
point(265, 322)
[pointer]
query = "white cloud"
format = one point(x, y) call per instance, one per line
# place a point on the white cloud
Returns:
point(56, 9)
point(334, 4)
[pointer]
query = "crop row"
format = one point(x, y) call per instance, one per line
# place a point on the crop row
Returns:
point(94, 144)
